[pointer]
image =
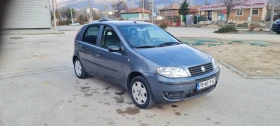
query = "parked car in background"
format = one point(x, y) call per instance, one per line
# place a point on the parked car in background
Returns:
point(276, 26)
point(74, 24)
point(149, 62)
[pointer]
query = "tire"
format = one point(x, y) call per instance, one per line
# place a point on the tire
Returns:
point(141, 93)
point(278, 32)
point(79, 69)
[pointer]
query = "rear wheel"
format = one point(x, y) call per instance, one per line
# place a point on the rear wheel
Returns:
point(79, 69)
point(278, 32)
point(141, 93)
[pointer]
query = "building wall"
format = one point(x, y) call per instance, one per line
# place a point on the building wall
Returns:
point(246, 14)
point(166, 13)
point(214, 15)
point(130, 16)
point(146, 16)
point(28, 14)
point(135, 16)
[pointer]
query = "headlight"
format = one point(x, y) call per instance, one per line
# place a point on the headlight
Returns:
point(172, 72)
point(214, 64)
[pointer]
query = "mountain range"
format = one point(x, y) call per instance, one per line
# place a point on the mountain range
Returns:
point(81, 4)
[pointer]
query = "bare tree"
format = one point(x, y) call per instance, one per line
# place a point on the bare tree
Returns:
point(230, 4)
point(147, 4)
point(119, 7)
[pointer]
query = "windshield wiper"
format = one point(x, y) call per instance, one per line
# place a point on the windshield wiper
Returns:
point(168, 44)
point(146, 47)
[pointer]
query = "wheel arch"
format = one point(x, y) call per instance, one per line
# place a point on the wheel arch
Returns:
point(73, 58)
point(131, 76)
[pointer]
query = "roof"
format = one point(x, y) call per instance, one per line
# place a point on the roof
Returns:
point(136, 10)
point(245, 4)
point(121, 23)
point(171, 7)
point(194, 9)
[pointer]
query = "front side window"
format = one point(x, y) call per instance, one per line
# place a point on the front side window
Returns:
point(255, 12)
point(239, 12)
point(91, 34)
point(109, 38)
point(146, 36)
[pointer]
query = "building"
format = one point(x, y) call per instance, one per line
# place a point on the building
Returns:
point(136, 14)
point(94, 10)
point(194, 10)
point(240, 12)
point(171, 11)
point(28, 14)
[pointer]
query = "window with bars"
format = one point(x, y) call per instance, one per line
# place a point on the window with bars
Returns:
point(239, 12)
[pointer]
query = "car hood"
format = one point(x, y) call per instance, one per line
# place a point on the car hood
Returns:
point(176, 56)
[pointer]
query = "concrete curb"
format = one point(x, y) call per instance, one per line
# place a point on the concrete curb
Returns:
point(235, 70)
point(30, 32)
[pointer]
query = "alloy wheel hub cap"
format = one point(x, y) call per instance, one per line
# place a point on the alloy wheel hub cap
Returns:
point(78, 68)
point(139, 93)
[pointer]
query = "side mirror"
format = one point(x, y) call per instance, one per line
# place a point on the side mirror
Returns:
point(114, 49)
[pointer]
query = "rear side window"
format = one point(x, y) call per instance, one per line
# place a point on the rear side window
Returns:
point(91, 34)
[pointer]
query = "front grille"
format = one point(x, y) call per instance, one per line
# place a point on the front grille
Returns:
point(197, 71)
point(276, 26)
point(196, 93)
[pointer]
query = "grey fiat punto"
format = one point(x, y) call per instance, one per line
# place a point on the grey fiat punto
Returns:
point(146, 60)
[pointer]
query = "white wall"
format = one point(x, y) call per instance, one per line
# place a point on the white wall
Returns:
point(26, 14)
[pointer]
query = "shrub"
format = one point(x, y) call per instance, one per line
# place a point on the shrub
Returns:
point(226, 29)
point(163, 25)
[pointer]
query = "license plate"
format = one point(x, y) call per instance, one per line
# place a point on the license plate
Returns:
point(205, 84)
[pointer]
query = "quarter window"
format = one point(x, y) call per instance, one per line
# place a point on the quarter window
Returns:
point(255, 12)
point(91, 34)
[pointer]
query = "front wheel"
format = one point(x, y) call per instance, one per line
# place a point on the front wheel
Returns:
point(141, 93)
point(278, 32)
point(79, 69)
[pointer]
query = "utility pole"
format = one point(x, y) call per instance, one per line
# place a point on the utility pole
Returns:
point(272, 15)
point(106, 16)
point(143, 11)
point(71, 16)
point(250, 18)
point(152, 11)
point(90, 10)
point(54, 15)
point(131, 6)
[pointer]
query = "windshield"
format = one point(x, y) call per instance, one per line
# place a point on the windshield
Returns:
point(147, 36)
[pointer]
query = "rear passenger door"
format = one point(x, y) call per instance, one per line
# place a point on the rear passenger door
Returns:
point(87, 48)
point(110, 64)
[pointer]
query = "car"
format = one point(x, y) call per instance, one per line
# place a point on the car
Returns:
point(105, 19)
point(144, 59)
point(74, 24)
point(276, 26)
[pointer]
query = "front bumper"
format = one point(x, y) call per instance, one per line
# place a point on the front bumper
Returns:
point(276, 27)
point(180, 88)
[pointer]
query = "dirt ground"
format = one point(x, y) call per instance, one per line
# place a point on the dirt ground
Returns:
point(254, 58)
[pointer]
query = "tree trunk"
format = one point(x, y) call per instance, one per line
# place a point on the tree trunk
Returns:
point(227, 17)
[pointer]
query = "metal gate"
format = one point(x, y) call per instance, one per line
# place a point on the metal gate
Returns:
point(28, 14)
